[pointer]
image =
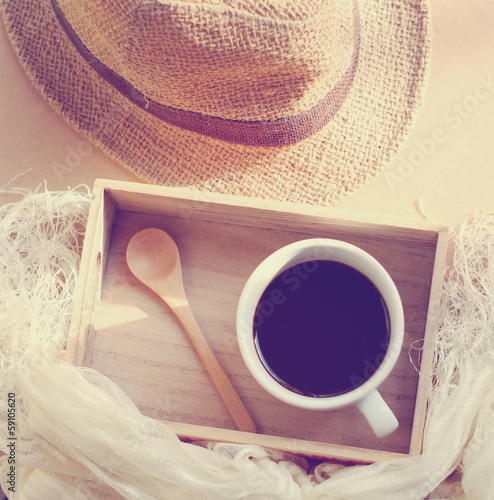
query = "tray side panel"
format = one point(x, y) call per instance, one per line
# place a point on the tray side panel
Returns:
point(429, 341)
point(197, 205)
point(95, 252)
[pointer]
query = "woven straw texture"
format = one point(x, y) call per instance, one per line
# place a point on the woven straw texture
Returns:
point(363, 136)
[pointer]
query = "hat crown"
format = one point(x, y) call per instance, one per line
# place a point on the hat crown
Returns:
point(234, 59)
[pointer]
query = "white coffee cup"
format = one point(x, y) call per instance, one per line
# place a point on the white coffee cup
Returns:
point(366, 397)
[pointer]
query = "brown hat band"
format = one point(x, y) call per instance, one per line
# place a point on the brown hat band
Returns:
point(279, 132)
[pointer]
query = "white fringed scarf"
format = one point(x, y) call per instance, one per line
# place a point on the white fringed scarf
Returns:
point(78, 436)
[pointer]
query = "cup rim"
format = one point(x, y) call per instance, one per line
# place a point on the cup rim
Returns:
point(296, 253)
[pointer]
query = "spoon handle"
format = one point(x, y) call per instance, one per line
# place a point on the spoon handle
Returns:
point(226, 390)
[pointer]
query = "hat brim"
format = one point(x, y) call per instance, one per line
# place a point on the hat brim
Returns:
point(344, 155)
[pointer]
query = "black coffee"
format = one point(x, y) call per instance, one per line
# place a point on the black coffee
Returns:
point(321, 328)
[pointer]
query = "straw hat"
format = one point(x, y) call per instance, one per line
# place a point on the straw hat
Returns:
point(300, 100)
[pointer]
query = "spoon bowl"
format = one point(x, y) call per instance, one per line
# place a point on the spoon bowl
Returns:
point(152, 255)
point(153, 258)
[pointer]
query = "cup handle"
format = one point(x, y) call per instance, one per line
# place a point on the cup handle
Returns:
point(377, 412)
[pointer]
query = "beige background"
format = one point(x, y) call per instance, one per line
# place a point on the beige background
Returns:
point(447, 162)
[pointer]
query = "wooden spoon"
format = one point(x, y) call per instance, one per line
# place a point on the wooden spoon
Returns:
point(153, 258)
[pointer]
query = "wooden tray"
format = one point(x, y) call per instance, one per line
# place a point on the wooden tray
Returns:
point(123, 330)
